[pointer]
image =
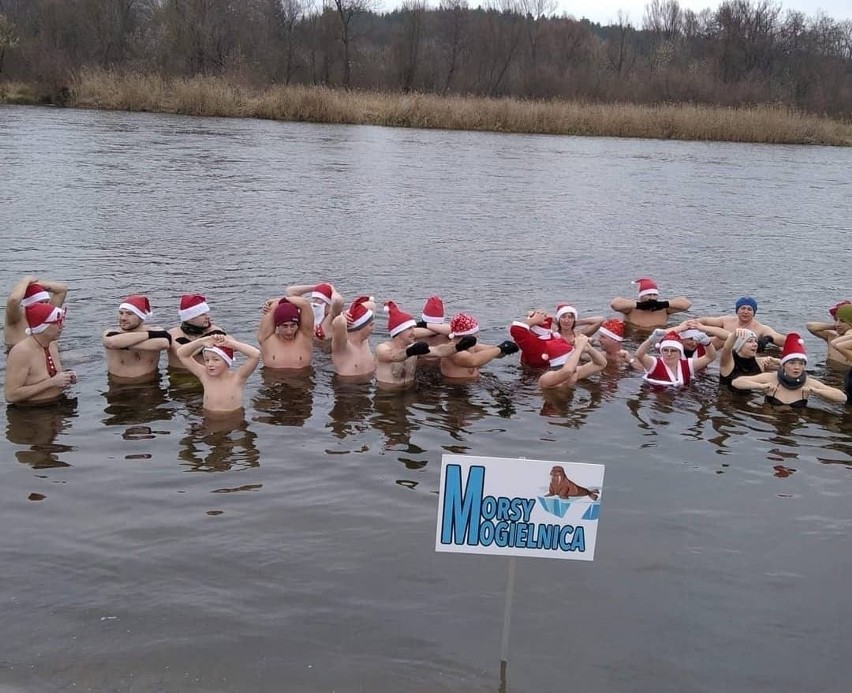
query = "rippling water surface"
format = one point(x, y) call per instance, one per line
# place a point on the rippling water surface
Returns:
point(145, 550)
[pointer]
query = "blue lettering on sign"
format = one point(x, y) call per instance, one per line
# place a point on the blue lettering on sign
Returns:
point(469, 517)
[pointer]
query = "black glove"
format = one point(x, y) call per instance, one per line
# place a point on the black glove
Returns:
point(651, 304)
point(466, 342)
point(417, 349)
point(508, 347)
point(763, 342)
point(421, 323)
point(159, 334)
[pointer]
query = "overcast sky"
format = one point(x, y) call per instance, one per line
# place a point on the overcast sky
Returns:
point(604, 11)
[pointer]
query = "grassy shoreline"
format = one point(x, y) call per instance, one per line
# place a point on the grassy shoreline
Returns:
point(216, 96)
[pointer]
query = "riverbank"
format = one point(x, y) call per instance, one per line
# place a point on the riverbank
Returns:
point(211, 96)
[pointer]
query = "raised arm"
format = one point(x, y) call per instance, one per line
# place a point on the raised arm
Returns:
point(339, 340)
point(251, 353)
point(678, 305)
point(823, 330)
point(713, 322)
point(475, 359)
point(642, 352)
point(588, 326)
point(703, 361)
point(843, 345)
point(266, 327)
point(298, 289)
point(556, 377)
point(726, 363)
point(598, 363)
point(14, 312)
point(186, 353)
point(818, 387)
point(58, 291)
point(623, 305)
point(306, 315)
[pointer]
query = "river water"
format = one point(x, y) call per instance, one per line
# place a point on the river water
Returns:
point(144, 550)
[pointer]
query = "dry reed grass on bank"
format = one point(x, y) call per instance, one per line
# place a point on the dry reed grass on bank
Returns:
point(213, 96)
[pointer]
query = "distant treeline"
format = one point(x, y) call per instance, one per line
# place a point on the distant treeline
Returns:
point(745, 52)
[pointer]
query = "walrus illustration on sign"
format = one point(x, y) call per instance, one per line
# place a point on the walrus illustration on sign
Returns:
point(563, 487)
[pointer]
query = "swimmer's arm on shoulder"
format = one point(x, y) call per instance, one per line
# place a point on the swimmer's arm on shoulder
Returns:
point(712, 322)
point(843, 345)
point(123, 340)
point(623, 305)
point(588, 326)
point(823, 330)
point(474, 359)
point(678, 305)
point(752, 382)
point(825, 391)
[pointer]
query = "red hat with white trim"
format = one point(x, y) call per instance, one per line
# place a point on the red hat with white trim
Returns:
point(558, 351)
point(358, 314)
point(462, 324)
point(544, 330)
point(613, 328)
point(35, 293)
point(223, 352)
point(398, 320)
point(138, 305)
point(794, 348)
point(563, 308)
point(646, 286)
point(833, 310)
point(433, 310)
point(40, 316)
point(322, 292)
point(671, 340)
point(192, 305)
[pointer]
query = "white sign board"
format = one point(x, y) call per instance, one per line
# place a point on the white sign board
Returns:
point(518, 507)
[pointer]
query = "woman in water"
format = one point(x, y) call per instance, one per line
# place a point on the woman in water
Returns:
point(568, 325)
point(739, 357)
point(790, 386)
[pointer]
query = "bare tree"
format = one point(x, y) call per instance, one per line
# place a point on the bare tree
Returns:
point(454, 16)
point(412, 12)
point(346, 11)
point(619, 49)
point(8, 39)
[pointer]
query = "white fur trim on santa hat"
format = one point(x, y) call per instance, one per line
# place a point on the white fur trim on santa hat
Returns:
point(136, 311)
point(671, 344)
point(566, 309)
point(35, 298)
point(229, 360)
point(606, 333)
point(194, 311)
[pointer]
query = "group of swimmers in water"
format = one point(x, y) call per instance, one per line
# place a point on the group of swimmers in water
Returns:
point(292, 325)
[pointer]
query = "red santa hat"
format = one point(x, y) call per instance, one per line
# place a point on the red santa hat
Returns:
point(433, 310)
point(322, 292)
point(563, 308)
point(544, 330)
point(671, 340)
point(40, 316)
point(223, 352)
point(286, 312)
point(35, 293)
point(794, 348)
point(191, 306)
point(398, 320)
point(462, 324)
point(833, 310)
point(613, 328)
point(358, 314)
point(138, 305)
point(646, 286)
point(558, 351)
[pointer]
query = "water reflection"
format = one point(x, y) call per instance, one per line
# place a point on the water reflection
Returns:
point(134, 404)
point(38, 427)
point(286, 397)
point(572, 405)
point(220, 443)
point(351, 407)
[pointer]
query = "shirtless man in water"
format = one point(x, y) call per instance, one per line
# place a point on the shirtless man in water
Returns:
point(28, 292)
point(648, 310)
point(396, 359)
point(34, 372)
point(286, 333)
point(830, 331)
point(351, 355)
point(746, 308)
point(195, 323)
point(132, 350)
point(465, 364)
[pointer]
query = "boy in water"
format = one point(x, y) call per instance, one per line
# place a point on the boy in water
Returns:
point(223, 388)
